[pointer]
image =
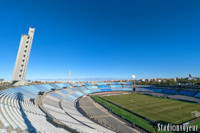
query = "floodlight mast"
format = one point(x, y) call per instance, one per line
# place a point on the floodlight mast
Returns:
point(69, 75)
point(133, 85)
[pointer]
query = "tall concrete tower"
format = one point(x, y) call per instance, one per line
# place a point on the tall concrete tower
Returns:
point(23, 54)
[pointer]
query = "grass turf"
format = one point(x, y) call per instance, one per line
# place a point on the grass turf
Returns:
point(125, 114)
point(196, 123)
point(156, 109)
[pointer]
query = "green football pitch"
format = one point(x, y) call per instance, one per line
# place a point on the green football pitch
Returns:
point(155, 108)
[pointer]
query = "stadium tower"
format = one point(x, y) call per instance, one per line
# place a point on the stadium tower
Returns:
point(23, 54)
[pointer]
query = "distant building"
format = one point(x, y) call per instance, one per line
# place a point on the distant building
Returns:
point(192, 78)
point(155, 79)
point(149, 80)
point(23, 54)
point(1, 80)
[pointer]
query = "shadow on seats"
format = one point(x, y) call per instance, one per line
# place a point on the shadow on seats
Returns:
point(30, 127)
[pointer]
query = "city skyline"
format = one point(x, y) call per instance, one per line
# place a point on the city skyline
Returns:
point(103, 39)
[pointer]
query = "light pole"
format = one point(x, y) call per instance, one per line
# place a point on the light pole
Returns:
point(133, 86)
point(69, 75)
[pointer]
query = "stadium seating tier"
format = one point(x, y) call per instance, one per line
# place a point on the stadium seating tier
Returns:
point(19, 113)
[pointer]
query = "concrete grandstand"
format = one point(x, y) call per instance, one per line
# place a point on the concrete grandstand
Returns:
point(22, 110)
point(66, 107)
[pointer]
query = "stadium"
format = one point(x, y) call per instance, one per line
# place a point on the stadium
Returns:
point(129, 60)
point(94, 106)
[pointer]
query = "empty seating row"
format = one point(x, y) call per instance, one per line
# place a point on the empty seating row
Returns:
point(18, 112)
point(104, 87)
point(125, 86)
point(108, 83)
point(187, 93)
point(116, 86)
point(143, 89)
point(179, 92)
point(102, 117)
point(157, 90)
point(101, 83)
point(92, 87)
point(82, 88)
point(88, 83)
point(65, 111)
point(114, 83)
point(76, 84)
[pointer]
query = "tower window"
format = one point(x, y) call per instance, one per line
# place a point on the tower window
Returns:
point(22, 65)
point(24, 50)
point(24, 55)
point(28, 37)
point(21, 70)
point(26, 41)
point(26, 46)
point(20, 76)
point(22, 60)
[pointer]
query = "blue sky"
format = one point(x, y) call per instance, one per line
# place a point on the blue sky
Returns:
point(103, 38)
